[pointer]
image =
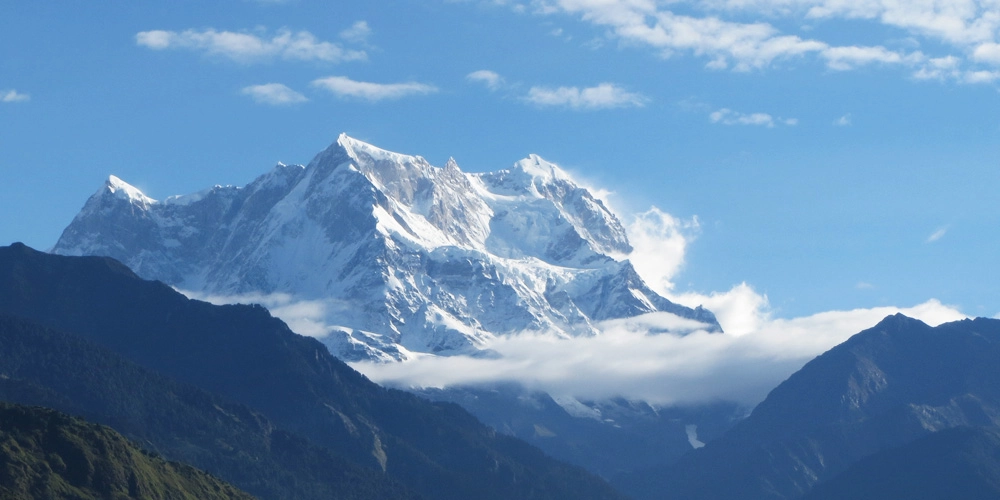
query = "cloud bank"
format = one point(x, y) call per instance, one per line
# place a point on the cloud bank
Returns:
point(661, 368)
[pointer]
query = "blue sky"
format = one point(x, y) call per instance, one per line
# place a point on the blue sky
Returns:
point(831, 155)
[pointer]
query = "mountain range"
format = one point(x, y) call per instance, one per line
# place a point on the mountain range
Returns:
point(401, 256)
point(394, 259)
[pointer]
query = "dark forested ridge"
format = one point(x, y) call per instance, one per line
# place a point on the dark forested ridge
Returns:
point(245, 355)
point(40, 366)
point(885, 387)
point(45, 454)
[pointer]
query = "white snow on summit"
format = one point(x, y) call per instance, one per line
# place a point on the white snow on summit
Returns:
point(126, 191)
point(405, 256)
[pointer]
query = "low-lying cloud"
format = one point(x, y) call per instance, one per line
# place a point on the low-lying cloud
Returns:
point(659, 368)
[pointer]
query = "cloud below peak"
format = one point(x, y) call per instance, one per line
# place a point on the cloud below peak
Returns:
point(627, 361)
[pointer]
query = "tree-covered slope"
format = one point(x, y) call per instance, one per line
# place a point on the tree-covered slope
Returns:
point(40, 366)
point(45, 454)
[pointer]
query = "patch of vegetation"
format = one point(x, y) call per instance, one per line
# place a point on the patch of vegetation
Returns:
point(45, 454)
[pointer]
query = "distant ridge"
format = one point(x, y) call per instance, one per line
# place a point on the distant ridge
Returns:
point(883, 388)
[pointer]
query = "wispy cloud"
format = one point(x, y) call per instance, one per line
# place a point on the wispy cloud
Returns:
point(603, 96)
point(863, 285)
point(342, 86)
point(273, 93)
point(12, 95)
point(357, 33)
point(491, 79)
point(248, 48)
point(843, 121)
point(726, 116)
point(937, 234)
point(738, 34)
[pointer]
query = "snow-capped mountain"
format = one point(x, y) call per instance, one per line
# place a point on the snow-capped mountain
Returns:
point(404, 256)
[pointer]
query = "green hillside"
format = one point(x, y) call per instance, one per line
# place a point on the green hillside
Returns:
point(45, 454)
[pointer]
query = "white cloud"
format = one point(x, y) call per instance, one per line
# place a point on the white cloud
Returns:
point(726, 116)
point(357, 33)
point(12, 95)
point(843, 121)
point(342, 86)
point(603, 96)
point(273, 93)
point(305, 317)
point(659, 241)
point(660, 368)
point(982, 76)
point(937, 234)
point(491, 79)
point(848, 58)
point(970, 27)
point(249, 47)
point(862, 285)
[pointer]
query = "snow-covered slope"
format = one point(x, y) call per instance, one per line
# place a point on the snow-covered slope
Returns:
point(406, 256)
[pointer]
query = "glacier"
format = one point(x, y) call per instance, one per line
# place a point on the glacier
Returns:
point(399, 256)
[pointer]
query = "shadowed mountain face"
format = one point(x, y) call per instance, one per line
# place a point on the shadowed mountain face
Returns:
point(47, 454)
point(244, 354)
point(961, 462)
point(400, 255)
point(43, 367)
point(883, 388)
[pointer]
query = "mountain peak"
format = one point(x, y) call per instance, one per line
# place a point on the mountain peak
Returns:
point(406, 256)
point(897, 321)
point(358, 150)
point(126, 191)
point(537, 167)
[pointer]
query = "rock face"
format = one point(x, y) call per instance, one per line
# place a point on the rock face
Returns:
point(402, 255)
